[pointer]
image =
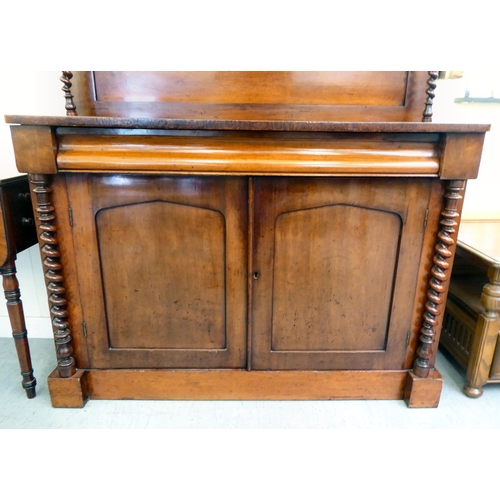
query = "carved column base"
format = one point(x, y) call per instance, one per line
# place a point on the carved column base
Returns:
point(68, 392)
point(423, 392)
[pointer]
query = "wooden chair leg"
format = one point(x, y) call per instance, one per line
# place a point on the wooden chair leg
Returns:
point(19, 332)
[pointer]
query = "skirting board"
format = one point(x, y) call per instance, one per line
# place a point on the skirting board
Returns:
point(227, 385)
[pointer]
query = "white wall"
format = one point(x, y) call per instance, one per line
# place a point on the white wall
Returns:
point(39, 93)
point(482, 200)
point(27, 93)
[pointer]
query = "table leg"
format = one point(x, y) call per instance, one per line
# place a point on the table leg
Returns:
point(485, 337)
point(16, 316)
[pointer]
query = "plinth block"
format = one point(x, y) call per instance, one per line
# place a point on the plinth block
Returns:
point(71, 392)
point(423, 392)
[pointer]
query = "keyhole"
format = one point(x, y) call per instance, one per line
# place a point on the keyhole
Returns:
point(256, 276)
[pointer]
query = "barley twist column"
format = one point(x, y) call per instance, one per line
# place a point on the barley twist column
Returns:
point(431, 82)
point(70, 105)
point(440, 273)
point(51, 260)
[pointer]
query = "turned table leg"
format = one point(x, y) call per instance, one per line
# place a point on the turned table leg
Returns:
point(485, 336)
point(16, 316)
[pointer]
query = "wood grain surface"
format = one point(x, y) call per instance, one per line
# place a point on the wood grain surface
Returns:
point(245, 385)
point(179, 251)
point(297, 125)
point(275, 95)
point(257, 153)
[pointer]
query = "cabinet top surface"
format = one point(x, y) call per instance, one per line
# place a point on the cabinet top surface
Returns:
point(256, 125)
point(481, 239)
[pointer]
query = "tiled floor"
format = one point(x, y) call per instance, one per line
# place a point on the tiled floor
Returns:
point(455, 411)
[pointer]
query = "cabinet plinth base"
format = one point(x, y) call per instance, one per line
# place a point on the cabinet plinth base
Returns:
point(242, 385)
point(71, 392)
point(423, 392)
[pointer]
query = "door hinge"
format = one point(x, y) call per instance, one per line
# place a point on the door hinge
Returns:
point(70, 212)
point(426, 216)
point(84, 326)
point(408, 335)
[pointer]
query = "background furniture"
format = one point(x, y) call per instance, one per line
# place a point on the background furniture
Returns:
point(17, 233)
point(278, 236)
point(472, 322)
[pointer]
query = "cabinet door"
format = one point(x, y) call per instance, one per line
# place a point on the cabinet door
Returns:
point(335, 265)
point(162, 269)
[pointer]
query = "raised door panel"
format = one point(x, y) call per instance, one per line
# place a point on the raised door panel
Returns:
point(341, 246)
point(182, 275)
point(337, 264)
point(162, 270)
point(364, 88)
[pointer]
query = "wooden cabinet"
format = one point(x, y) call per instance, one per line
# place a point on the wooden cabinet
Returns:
point(275, 255)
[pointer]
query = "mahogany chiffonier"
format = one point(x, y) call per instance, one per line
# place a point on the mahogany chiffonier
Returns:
point(254, 235)
point(472, 318)
point(17, 233)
